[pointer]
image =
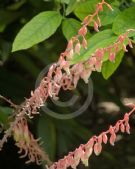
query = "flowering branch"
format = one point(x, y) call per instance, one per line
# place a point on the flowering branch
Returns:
point(61, 75)
point(84, 151)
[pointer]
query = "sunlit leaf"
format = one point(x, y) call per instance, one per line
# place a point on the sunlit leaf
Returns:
point(41, 27)
point(125, 21)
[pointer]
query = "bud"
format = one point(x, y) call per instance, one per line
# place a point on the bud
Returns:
point(99, 53)
point(77, 48)
point(121, 38)
point(122, 128)
point(130, 43)
point(112, 139)
point(98, 66)
point(82, 31)
point(126, 117)
point(90, 143)
point(96, 26)
point(112, 57)
point(100, 138)
point(70, 45)
point(124, 47)
point(97, 148)
point(88, 152)
point(70, 54)
point(85, 160)
point(84, 43)
point(105, 138)
point(117, 127)
point(127, 128)
point(100, 7)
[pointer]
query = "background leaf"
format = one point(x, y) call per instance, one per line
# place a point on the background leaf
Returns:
point(70, 28)
point(71, 6)
point(4, 114)
point(46, 131)
point(41, 27)
point(6, 17)
point(85, 8)
point(124, 21)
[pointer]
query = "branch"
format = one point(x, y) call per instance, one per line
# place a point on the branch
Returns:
point(84, 151)
point(60, 75)
point(9, 101)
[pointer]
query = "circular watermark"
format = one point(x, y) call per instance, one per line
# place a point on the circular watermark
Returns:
point(71, 102)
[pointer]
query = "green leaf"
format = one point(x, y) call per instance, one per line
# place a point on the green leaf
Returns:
point(5, 48)
point(41, 27)
point(46, 131)
point(71, 6)
point(5, 112)
point(99, 40)
point(70, 28)
point(16, 5)
point(79, 130)
point(125, 21)
point(85, 8)
point(107, 16)
point(108, 68)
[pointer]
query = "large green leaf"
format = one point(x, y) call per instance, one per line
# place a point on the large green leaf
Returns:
point(46, 130)
point(109, 68)
point(41, 27)
point(125, 21)
point(99, 40)
point(70, 28)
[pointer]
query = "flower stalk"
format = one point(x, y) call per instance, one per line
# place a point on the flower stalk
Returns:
point(94, 145)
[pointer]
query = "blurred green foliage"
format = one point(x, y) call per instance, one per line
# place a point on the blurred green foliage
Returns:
point(19, 71)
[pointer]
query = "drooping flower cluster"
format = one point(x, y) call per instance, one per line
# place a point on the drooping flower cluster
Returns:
point(78, 41)
point(94, 145)
point(27, 144)
point(63, 75)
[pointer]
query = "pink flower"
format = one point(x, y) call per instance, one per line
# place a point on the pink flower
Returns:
point(77, 48)
point(82, 31)
point(112, 57)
